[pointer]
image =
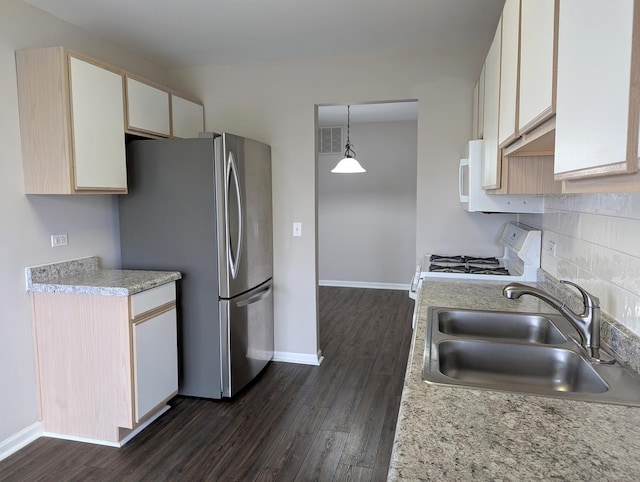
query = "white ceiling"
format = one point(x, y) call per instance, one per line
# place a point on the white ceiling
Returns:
point(181, 33)
point(374, 112)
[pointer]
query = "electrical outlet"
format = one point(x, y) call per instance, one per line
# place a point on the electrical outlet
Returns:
point(297, 229)
point(58, 240)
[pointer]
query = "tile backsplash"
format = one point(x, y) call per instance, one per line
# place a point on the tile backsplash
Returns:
point(594, 240)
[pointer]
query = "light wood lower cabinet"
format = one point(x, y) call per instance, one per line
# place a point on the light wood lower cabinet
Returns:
point(105, 364)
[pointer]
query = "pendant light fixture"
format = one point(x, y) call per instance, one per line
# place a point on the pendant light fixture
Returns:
point(349, 164)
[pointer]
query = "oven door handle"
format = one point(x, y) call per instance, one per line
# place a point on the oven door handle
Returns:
point(463, 197)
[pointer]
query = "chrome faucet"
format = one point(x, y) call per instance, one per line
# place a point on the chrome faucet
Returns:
point(587, 323)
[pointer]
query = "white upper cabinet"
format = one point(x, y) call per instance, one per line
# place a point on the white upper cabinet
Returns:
point(478, 107)
point(74, 113)
point(188, 117)
point(98, 117)
point(71, 123)
point(147, 108)
point(491, 166)
point(480, 132)
point(538, 49)
point(597, 89)
point(507, 127)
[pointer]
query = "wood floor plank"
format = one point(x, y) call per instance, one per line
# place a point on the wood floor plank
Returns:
point(347, 401)
point(362, 444)
point(348, 473)
point(276, 429)
point(288, 455)
point(324, 455)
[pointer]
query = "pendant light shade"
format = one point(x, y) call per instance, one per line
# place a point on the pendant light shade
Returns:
point(348, 165)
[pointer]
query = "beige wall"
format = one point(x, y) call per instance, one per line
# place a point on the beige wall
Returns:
point(367, 222)
point(596, 245)
point(275, 103)
point(28, 221)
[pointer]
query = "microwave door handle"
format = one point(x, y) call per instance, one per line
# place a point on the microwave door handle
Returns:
point(463, 198)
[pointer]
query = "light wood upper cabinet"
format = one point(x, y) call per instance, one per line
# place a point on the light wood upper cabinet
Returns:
point(187, 117)
point(538, 61)
point(71, 123)
point(598, 89)
point(147, 108)
point(74, 113)
point(492, 160)
point(507, 125)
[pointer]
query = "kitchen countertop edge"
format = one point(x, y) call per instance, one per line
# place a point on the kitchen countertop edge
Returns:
point(85, 277)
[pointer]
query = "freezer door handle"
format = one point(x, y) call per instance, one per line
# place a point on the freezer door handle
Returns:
point(260, 295)
point(234, 257)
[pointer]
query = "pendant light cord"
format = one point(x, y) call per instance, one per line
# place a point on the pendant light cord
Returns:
point(349, 152)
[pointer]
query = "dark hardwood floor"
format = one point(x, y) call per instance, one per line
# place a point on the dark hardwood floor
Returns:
point(295, 422)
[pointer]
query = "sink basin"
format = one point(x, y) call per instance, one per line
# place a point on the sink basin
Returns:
point(532, 353)
point(500, 325)
point(505, 365)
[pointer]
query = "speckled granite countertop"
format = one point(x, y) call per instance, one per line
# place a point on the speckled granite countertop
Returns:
point(83, 276)
point(447, 433)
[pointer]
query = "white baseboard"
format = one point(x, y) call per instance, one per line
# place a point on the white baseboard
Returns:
point(20, 440)
point(299, 358)
point(365, 284)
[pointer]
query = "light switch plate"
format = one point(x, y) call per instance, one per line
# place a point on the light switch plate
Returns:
point(297, 229)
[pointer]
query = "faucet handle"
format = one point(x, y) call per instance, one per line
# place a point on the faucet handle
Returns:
point(589, 300)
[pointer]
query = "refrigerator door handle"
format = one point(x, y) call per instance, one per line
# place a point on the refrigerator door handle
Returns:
point(234, 258)
point(263, 293)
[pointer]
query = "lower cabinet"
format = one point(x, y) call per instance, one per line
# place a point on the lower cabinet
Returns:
point(106, 365)
point(155, 351)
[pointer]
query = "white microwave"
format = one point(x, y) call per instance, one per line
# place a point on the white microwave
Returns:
point(475, 199)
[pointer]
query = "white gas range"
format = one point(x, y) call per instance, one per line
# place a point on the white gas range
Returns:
point(520, 261)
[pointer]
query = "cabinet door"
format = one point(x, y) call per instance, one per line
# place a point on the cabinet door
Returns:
point(538, 48)
point(480, 131)
point(597, 112)
point(507, 125)
point(97, 113)
point(491, 164)
point(187, 116)
point(155, 355)
point(474, 111)
point(147, 108)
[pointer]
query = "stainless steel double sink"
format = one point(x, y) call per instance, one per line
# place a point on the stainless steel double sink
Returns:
point(519, 352)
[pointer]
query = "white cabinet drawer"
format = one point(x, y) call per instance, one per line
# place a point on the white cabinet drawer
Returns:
point(150, 299)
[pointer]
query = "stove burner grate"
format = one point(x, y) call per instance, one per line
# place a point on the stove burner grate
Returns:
point(456, 268)
point(485, 270)
point(479, 260)
point(438, 258)
point(471, 265)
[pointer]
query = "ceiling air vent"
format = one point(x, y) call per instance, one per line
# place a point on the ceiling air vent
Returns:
point(330, 140)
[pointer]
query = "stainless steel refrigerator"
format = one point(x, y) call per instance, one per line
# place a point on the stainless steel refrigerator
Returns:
point(203, 207)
